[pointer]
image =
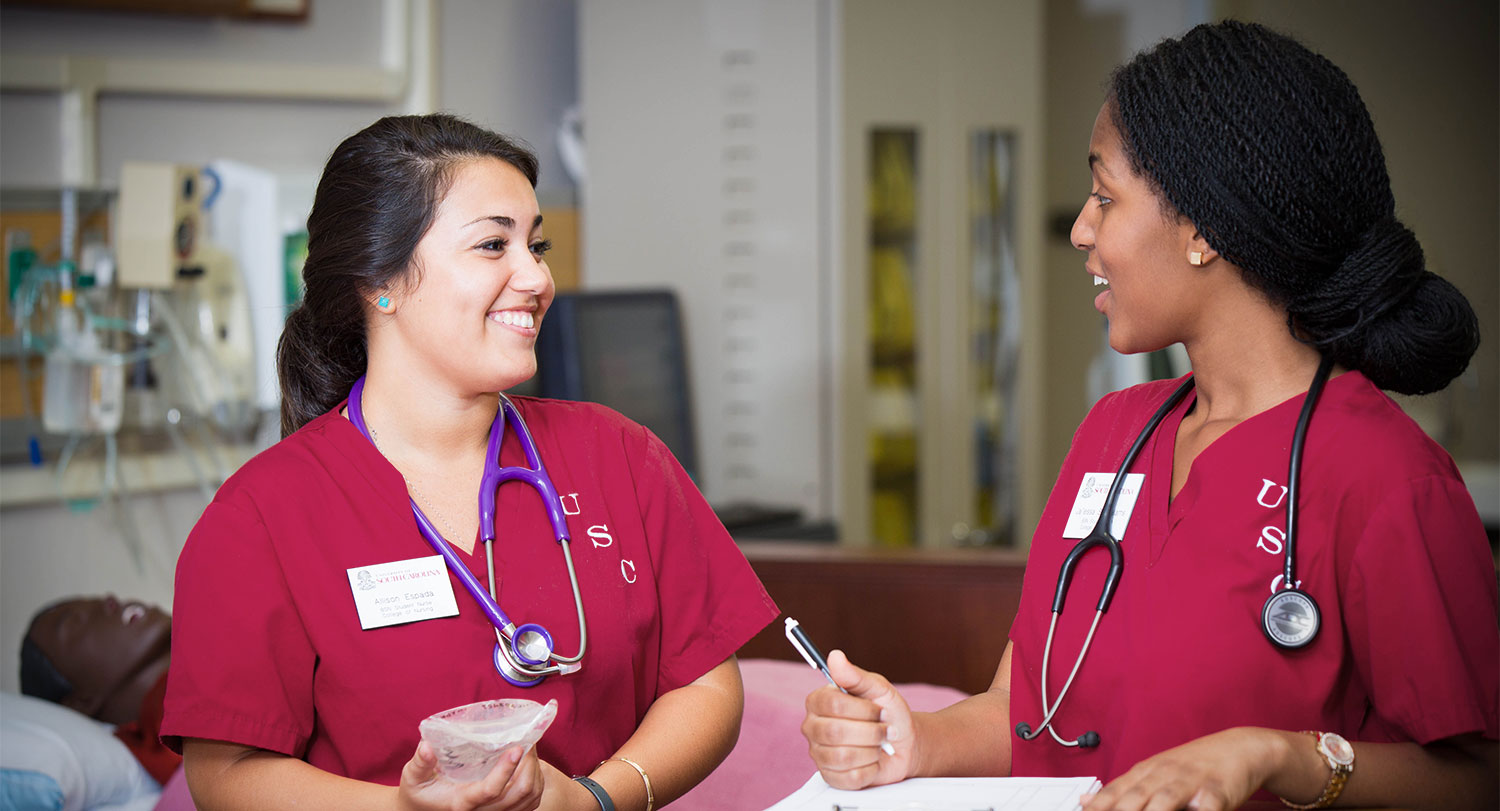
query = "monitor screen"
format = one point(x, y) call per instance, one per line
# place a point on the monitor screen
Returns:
point(622, 349)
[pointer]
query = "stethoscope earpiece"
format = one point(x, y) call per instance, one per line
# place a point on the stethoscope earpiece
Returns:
point(1087, 740)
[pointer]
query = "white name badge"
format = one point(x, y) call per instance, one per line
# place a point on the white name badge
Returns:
point(402, 591)
point(1090, 501)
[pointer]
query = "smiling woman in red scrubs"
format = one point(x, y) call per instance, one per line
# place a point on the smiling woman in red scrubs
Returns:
point(1239, 205)
point(426, 276)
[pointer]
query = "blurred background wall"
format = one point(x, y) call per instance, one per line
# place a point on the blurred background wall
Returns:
point(759, 232)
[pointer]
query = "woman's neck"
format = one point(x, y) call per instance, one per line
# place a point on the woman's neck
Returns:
point(423, 423)
point(1248, 362)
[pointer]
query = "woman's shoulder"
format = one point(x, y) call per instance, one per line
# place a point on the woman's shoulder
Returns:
point(599, 435)
point(1373, 437)
point(309, 451)
point(573, 417)
point(1146, 396)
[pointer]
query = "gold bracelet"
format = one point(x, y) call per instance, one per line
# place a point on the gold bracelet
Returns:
point(650, 797)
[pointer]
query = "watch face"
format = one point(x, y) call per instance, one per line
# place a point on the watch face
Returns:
point(1336, 748)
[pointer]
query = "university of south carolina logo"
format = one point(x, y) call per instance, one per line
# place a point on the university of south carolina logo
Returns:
point(365, 581)
point(599, 536)
point(1291, 619)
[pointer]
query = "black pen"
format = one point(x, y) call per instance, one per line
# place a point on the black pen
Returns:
point(814, 657)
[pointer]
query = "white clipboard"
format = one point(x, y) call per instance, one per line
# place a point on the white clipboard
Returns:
point(945, 794)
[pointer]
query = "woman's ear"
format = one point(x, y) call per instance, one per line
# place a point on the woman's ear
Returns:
point(1199, 253)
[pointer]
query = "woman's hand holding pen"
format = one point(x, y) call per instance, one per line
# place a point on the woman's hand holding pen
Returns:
point(845, 731)
point(514, 784)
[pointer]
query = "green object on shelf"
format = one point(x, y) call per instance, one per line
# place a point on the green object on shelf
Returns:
point(20, 258)
point(295, 255)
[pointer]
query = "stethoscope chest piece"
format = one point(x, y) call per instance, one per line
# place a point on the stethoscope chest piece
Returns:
point(1290, 619)
point(511, 672)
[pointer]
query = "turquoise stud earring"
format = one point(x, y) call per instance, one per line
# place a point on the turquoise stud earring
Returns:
point(383, 302)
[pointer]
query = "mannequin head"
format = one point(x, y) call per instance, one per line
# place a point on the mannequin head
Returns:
point(97, 655)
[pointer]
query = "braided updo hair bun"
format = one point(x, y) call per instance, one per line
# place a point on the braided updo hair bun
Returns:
point(1268, 149)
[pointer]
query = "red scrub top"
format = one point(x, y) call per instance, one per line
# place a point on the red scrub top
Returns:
point(1388, 544)
point(267, 645)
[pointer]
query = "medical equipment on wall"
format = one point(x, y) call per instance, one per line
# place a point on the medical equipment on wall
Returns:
point(523, 654)
point(84, 385)
point(198, 293)
point(1289, 619)
point(244, 222)
point(86, 358)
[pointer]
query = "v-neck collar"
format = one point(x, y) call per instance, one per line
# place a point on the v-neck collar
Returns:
point(1165, 511)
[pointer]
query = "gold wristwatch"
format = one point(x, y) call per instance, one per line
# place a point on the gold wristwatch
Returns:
point(1340, 757)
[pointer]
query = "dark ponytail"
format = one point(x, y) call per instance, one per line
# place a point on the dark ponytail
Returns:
point(1269, 150)
point(375, 200)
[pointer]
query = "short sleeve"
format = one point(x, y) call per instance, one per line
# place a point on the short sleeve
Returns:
point(242, 664)
point(1421, 615)
point(711, 602)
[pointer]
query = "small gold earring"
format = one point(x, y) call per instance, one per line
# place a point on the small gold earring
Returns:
point(1195, 258)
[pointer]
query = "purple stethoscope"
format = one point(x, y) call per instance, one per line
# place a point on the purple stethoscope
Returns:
point(523, 654)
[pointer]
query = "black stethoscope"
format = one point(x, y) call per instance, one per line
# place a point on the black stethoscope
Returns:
point(1290, 618)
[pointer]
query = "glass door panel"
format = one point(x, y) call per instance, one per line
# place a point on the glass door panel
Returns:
point(994, 334)
point(893, 282)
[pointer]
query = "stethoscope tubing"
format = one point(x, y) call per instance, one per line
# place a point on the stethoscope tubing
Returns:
point(1051, 709)
point(529, 672)
point(534, 474)
point(1294, 468)
point(1102, 536)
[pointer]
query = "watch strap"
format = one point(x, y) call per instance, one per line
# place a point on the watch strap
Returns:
point(605, 803)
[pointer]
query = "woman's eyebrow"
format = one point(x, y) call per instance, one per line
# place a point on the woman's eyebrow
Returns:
point(505, 222)
point(498, 219)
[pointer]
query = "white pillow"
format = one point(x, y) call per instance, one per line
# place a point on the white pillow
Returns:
point(91, 766)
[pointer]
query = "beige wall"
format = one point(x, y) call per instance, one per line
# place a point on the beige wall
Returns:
point(1081, 49)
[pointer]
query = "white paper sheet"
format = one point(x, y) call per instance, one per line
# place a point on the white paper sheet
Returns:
point(945, 794)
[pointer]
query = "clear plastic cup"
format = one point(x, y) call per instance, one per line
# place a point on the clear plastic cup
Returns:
point(469, 739)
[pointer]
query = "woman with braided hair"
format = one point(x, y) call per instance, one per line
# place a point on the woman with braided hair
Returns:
point(1239, 205)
